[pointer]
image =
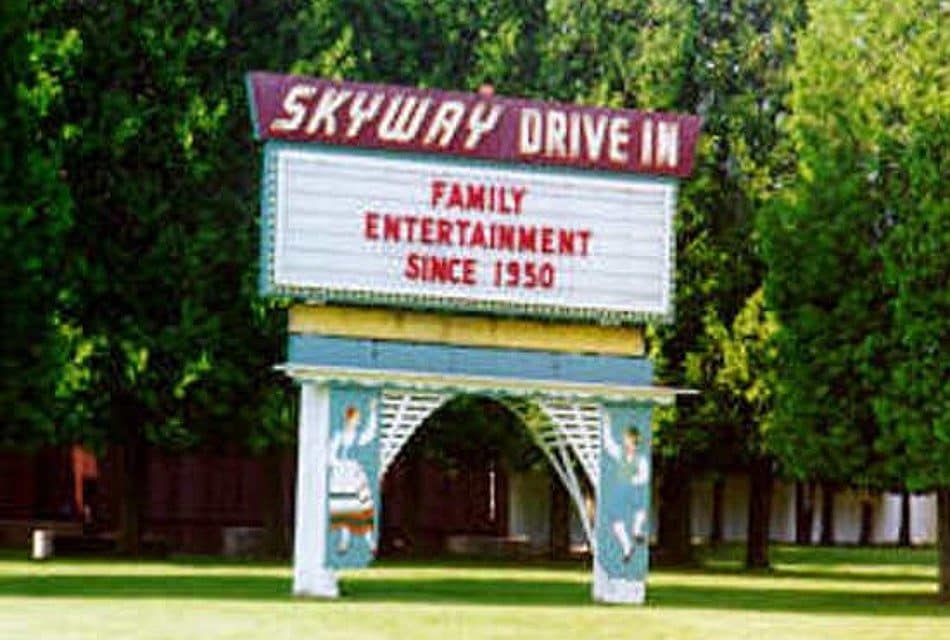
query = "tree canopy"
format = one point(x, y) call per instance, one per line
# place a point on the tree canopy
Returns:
point(856, 246)
point(35, 215)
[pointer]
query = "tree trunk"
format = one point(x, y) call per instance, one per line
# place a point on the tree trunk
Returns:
point(675, 547)
point(828, 513)
point(718, 497)
point(903, 534)
point(760, 513)
point(867, 519)
point(560, 523)
point(804, 511)
point(943, 542)
point(276, 544)
point(133, 494)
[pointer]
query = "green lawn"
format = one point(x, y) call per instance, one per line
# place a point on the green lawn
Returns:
point(811, 593)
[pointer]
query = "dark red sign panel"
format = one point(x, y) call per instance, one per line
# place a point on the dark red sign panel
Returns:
point(376, 116)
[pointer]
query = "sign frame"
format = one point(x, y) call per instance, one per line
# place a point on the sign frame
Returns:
point(268, 285)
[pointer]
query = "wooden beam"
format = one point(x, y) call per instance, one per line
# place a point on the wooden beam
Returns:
point(472, 331)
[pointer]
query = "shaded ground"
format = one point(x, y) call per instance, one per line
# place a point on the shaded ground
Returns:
point(829, 593)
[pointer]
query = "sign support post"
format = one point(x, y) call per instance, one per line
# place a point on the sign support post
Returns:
point(311, 575)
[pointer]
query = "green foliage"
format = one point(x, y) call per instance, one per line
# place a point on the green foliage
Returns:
point(749, 357)
point(476, 430)
point(35, 214)
point(735, 75)
point(452, 45)
point(739, 360)
point(914, 410)
point(857, 251)
point(136, 212)
point(166, 340)
point(617, 53)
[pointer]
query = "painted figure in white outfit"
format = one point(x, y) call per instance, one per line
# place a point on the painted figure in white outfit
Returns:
point(634, 471)
point(351, 495)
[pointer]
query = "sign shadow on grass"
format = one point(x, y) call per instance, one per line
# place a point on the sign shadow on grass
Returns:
point(541, 591)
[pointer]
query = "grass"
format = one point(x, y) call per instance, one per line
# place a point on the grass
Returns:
point(810, 593)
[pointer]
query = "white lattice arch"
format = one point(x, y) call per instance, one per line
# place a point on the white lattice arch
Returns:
point(572, 433)
point(402, 413)
point(569, 434)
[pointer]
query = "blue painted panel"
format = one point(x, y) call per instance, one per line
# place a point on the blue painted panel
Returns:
point(405, 357)
point(615, 369)
point(353, 474)
point(319, 350)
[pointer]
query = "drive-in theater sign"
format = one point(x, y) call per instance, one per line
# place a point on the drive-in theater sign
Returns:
point(436, 243)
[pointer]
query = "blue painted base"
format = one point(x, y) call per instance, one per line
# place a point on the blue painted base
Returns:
point(316, 350)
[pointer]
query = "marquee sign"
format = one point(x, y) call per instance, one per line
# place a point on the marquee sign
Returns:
point(300, 109)
point(389, 196)
point(571, 216)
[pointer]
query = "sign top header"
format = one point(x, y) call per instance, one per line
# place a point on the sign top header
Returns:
point(471, 125)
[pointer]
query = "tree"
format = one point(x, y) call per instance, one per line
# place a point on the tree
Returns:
point(449, 45)
point(857, 252)
point(735, 78)
point(624, 54)
point(744, 383)
point(726, 61)
point(167, 344)
point(35, 214)
point(914, 411)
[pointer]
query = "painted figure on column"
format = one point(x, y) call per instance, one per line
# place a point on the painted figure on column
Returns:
point(633, 471)
point(352, 503)
point(621, 553)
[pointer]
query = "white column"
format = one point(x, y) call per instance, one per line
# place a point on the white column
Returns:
point(609, 590)
point(311, 576)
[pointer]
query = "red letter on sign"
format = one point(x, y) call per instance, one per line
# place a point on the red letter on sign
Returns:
point(468, 272)
point(371, 226)
point(438, 190)
point(412, 266)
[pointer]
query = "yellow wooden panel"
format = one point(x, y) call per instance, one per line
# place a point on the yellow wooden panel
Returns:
point(510, 333)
